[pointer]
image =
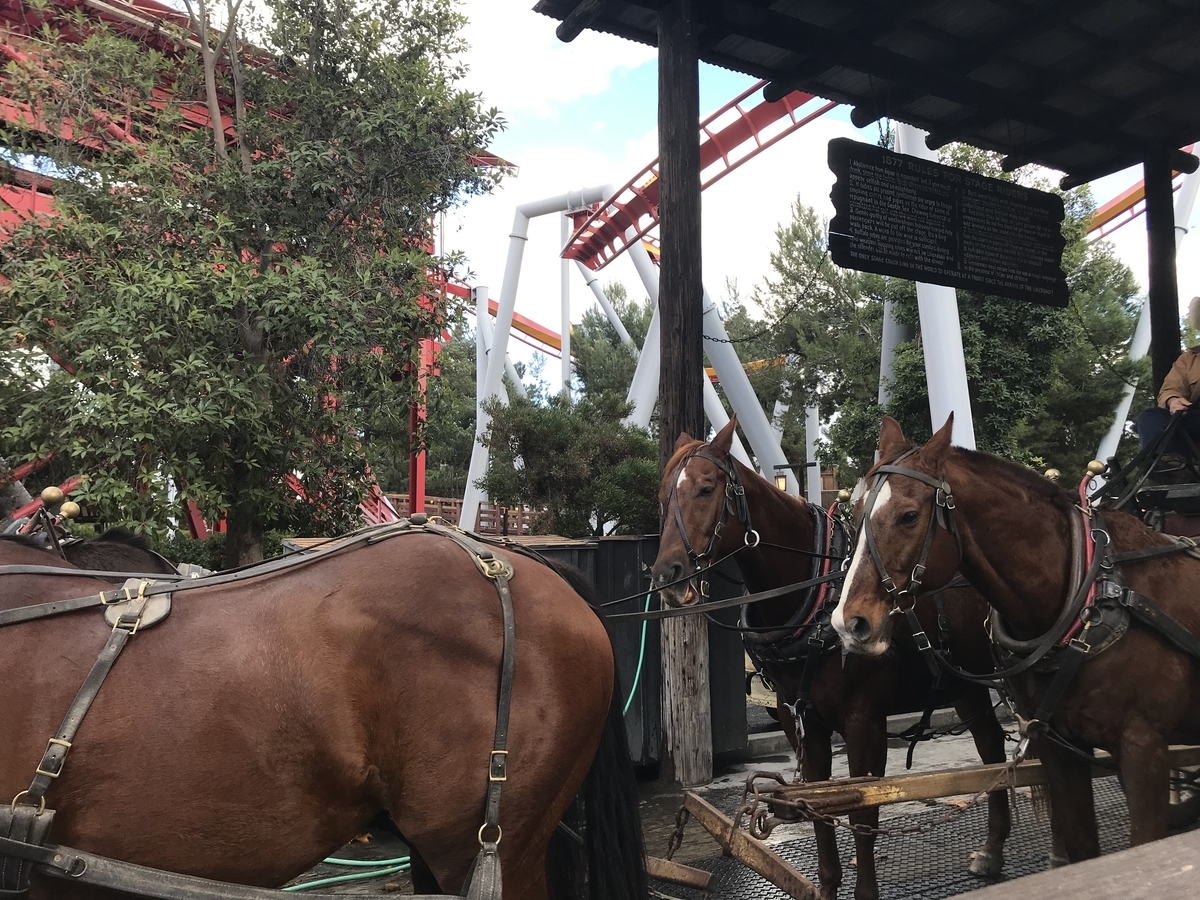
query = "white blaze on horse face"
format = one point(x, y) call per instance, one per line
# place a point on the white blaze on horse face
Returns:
point(858, 563)
point(683, 477)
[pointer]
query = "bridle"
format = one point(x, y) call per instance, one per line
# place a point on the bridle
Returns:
point(942, 515)
point(734, 502)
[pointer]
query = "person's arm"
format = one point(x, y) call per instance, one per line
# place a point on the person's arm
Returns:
point(1173, 395)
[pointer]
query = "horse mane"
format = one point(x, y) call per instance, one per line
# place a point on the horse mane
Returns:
point(122, 535)
point(981, 463)
point(24, 540)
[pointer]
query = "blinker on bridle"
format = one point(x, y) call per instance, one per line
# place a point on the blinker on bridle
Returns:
point(943, 515)
point(735, 502)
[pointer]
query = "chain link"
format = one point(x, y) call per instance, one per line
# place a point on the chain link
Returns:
point(676, 840)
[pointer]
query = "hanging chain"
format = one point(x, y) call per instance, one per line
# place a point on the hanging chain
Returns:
point(676, 840)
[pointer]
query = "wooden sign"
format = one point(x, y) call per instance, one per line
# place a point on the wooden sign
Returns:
point(900, 215)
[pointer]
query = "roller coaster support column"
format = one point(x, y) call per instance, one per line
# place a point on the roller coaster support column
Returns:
point(812, 434)
point(754, 422)
point(643, 390)
point(593, 284)
point(1163, 288)
point(687, 756)
point(564, 279)
point(893, 333)
point(941, 336)
point(1185, 202)
point(492, 384)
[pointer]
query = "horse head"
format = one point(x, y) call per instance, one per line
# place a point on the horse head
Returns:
point(699, 498)
point(907, 540)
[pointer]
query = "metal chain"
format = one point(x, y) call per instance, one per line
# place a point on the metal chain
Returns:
point(676, 840)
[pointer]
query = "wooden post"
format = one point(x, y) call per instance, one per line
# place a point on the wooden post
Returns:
point(686, 706)
point(1163, 288)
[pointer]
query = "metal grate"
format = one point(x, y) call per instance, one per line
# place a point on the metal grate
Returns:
point(928, 866)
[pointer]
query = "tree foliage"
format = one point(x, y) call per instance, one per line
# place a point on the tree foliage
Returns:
point(233, 306)
point(589, 473)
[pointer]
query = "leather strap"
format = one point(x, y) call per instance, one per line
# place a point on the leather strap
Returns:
point(698, 608)
point(1073, 656)
point(88, 868)
point(55, 756)
point(1146, 612)
point(106, 574)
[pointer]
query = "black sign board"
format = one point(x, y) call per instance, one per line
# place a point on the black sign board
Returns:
point(900, 215)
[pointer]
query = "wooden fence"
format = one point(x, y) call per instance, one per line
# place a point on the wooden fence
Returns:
point(505, 520)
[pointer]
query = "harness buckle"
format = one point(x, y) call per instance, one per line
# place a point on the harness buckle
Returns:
point(944, 498)
point(1080, 643)
point(918, 575)
point(922, 641)
point(498, 766)
point(66, 745)
point(890, 586)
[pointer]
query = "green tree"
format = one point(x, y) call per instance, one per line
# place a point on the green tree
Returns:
point(591, 474)
point(236, 305)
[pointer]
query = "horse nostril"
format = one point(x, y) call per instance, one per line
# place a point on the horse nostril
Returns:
point(859, 628)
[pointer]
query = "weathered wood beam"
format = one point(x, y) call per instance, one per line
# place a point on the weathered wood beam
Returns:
point(896, 70)
point(745, 849)
point(844, 795)
point(581, 17)
point(674, 873)
point(686, 704)
point(1163, 288)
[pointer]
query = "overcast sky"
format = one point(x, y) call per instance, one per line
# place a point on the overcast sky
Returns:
point(584, 114)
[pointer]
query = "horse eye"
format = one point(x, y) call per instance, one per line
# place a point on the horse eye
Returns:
point(706, 490)
point(909, 518)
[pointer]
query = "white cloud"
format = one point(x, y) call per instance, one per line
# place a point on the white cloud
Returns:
point(523, 69)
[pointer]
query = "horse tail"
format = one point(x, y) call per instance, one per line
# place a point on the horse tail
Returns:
point(612, 844)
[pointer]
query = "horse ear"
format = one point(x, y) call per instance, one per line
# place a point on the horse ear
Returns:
point(935, 451)
point(684, 438)
point(724, 439)
point(891, 439)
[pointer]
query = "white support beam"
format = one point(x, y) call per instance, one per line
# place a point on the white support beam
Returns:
point(504, 316)
point(1185, 203)
point(812, 434)
point(564, 284)
point(941, 335)
point(593, 284)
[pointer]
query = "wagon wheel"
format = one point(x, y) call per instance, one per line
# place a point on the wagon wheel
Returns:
point(1185, 802)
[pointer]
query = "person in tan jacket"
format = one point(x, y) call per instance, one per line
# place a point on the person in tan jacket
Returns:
point(1180, 393)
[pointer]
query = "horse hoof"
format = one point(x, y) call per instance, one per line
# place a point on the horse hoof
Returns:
point(985, 863)
point(1057, 862)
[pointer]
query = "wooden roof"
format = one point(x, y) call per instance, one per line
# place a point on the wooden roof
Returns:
point(1084, 86)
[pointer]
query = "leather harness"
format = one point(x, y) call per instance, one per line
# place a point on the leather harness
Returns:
point(25, 823)
point(1094, 616)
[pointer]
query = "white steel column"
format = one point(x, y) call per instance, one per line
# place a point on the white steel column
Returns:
point(564, 279)
point(754, 422)
point(1185, 202)
point(479, 294)
point(941, 335)
point(812, 434)
point(504, 316)
point(598, 292)
point(485, 333)
point(643, 391)
point(893, 333)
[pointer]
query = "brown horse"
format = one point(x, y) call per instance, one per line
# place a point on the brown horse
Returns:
point(265, 723)
point(1015, 530)
point(852, 696)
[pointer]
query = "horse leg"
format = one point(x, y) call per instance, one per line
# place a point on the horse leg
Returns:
point(975, 706)
point(1072, 806)
point(866, 750)
point(422, 876)
point(1145, 775)
point(816, 764)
